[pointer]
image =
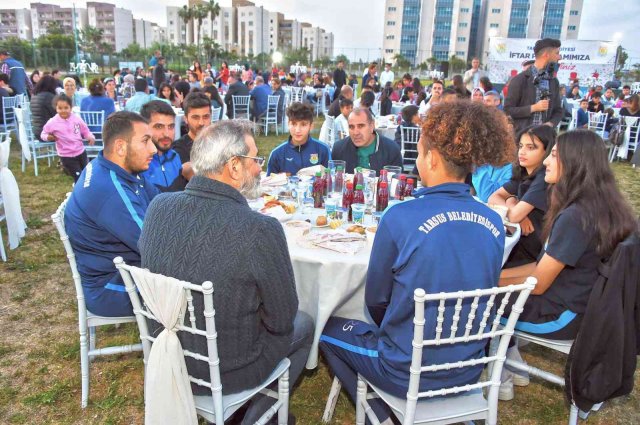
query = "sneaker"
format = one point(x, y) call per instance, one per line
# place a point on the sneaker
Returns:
point(506, 389)
point(520, 380)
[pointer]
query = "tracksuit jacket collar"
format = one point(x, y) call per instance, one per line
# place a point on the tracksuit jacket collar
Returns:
point(120, 172)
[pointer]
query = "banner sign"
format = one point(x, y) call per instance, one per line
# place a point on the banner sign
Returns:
point(592, 62)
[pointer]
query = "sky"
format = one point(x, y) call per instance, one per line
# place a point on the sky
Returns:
point(358, 24)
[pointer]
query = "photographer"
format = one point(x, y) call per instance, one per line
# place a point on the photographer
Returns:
point(534, 94)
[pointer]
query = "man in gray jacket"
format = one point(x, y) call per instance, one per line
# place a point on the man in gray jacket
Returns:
point(209, 233)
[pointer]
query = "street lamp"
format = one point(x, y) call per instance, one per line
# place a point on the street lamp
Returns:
point(277, 57)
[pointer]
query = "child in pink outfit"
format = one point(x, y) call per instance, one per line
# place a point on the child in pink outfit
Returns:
point(68, 130)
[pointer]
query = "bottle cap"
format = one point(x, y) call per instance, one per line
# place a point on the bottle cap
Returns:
point(403, 177)
point(339, 168)
point(410, 181)
point(359, 187)
point(318, 174)
point(350, 185)
point(383, 184)
point(358, 169)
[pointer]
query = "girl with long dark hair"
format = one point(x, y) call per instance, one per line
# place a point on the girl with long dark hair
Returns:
point(586, 219)
point(526, 193)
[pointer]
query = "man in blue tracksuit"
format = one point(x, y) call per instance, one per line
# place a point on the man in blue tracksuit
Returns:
point(300, 150)
point(18, 79)
point(106, 210)
point(166, 170)
point(442, 241)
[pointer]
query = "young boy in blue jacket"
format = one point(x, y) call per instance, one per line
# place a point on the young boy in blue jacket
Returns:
point(300, 150)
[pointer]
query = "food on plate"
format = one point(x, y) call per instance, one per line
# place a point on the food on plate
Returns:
point(334, 224)
point(268, 198)
point(356, 228)
point(321, 220)
point(372, 229)
point(288, 208)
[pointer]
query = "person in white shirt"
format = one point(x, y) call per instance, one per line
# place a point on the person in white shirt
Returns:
point(387, 75)
point(342, 120)
point(472, 77)
point(436, 97)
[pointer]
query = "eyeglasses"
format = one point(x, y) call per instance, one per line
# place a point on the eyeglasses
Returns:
point(258, 159)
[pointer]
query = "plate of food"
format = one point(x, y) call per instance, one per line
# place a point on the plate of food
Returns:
point(282, 211)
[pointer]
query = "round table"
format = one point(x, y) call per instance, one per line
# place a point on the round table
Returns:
point(329, 283)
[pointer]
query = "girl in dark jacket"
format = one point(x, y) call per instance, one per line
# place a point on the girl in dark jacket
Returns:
point(42, 109)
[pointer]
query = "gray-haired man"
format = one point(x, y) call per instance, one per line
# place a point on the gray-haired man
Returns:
point(208, 232)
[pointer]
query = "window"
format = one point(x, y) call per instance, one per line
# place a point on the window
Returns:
point(574, 12)
point(494, 25)
point(462, 38)
point(495, 10)
point(388, 51)
point(170, 22)
point(460, 53)
point(250, 23)
point(391, 23)
point(572, 27)
point(391, 9)
point(462, 25)
point(464, 10)
point(391, 37)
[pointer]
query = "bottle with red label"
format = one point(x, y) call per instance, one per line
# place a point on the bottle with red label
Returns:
point(382, 198)
point(358, 195)
point(347, 198)
point(318, 191)
point(382, 178)
point(408, 191)
point(400, 188)
point(327, 182)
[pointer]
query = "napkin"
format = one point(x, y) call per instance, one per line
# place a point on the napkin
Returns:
point(274, 180)
point(340, 241)
point(311, 171)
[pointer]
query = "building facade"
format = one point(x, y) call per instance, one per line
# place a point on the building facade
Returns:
point(422, 29)
point(15, 23)
point(42, 15)
point(116, 23)
point(143, 33)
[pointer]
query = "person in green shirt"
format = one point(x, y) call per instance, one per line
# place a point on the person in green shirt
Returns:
point(364, 147)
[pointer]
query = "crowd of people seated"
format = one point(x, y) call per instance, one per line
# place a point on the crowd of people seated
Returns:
point(172, 203)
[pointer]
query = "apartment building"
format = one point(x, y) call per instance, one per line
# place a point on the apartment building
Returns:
point(249, 29)
point(421, 29)
point(42, 15)
point(15, 23)
point(143, 33)
point(530, 19)
point(159, 34)
point(116, 23)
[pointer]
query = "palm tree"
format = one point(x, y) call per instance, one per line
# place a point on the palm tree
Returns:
point(213, 9)
point(199, 12)
point(186, 13)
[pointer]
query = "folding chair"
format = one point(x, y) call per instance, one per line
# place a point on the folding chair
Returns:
point(32, 147)
point(466, 402)
point(215, 114)
point(270, 116)
point(8, 113)
point(574, 119)
point(241, 106)
point(630, 139)
point(86, 319)
point(217, 407)
point(4, 138)
point(95, 121)
point(328, 131)
point(375, 108)
point(297, 94)
point(410, 136)
point(597, 123)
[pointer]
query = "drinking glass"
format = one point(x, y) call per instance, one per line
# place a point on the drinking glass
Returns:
point(370, 185)
point(393, 171)
point(357, 213)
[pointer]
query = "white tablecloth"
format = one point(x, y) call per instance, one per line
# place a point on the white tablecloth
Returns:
point(332, 284)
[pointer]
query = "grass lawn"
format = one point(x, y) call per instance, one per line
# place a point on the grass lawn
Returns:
point(39, 347)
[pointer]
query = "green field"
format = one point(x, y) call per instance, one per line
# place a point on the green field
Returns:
point(39, 347)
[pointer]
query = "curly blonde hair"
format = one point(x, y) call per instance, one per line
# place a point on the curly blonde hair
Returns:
point(468, 134)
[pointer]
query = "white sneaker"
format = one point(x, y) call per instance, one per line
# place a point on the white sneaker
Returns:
point(520, 380)
point(506, 389)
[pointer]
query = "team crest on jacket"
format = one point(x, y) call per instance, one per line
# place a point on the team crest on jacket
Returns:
point(313, 158)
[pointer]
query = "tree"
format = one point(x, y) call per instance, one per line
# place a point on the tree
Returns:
point(622, 58)
point(211, 48)
point(134, 50)
point(433, 62)
point(54, 28)
point(91, 39)
point(456, 64)
point(342, 58)
point(294, 56)
point(199, 12)
point(213, 9)
point(401, 61)
point(186, 14)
